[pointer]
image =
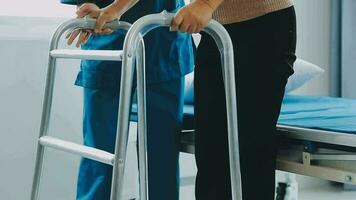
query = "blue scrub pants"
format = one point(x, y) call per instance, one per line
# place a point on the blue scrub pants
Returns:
point(164, 117)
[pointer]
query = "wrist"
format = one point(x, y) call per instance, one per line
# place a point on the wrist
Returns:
point(118, 7)
point(115, 7)
point(213, 4)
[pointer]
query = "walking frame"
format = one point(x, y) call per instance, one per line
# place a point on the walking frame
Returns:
point(132, 53)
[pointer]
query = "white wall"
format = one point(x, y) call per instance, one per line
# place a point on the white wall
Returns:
point(348, 46)
point(313, 45)
point(36, 8)
point(313, 18)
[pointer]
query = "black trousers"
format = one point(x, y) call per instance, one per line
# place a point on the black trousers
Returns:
point(264, 56)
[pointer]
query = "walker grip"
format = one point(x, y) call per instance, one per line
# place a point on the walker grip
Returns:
point(89, 23)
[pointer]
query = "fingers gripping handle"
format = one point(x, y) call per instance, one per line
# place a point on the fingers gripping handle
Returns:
point(89, 23)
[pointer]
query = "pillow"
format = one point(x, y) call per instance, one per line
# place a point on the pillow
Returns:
point(189, 88)
point(303, 72)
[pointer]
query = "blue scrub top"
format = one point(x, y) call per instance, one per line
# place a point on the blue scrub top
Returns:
point(169, 55)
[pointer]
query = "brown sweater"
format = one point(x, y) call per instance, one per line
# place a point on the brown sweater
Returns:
point(231, 11)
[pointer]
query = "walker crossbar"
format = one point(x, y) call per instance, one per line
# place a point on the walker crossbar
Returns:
point(87, 54)
point(73, 148)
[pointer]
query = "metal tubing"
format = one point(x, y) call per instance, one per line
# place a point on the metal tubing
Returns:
point(142, 122)
point(224, 43)
point(127, 74)
point(47, 103)
point(315, 135)
point(87, 54)
point(77, 149)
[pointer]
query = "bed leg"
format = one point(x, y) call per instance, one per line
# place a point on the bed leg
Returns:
point(306, 158)
point(349, 187)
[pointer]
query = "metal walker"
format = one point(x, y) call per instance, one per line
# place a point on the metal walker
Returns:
point(133, 51)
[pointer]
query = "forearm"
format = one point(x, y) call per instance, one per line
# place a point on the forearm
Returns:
point(213, 4)
point(121, 6)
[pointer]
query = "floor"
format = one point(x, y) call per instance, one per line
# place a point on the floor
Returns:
point(325, 191)
point(309, 188)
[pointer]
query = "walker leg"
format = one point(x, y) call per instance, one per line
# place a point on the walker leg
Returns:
point(38, 170)
point(227, 61)
point(47, 104)
point(142, 128)
point(122, 127)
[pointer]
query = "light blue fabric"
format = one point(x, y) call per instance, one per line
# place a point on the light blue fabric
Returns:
point(324, 113)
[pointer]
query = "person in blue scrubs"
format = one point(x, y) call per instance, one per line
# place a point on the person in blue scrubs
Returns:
point(168, 58)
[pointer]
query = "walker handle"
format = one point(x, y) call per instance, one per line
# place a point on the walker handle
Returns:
point(89, 23)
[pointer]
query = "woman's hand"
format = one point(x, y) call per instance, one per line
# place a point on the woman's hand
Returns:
point(112, 12)
point(105, 15)
point(193, 18)
point(86, 9)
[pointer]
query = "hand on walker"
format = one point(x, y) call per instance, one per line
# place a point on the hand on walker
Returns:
point(93, 11)
point(193, 17)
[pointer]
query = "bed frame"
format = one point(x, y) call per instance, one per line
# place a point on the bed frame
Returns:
point(334, 159)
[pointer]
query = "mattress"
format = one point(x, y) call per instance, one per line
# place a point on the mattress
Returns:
point(314, 112)
point(323, 113)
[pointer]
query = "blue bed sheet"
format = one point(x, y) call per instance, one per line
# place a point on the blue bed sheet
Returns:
point(323, 113)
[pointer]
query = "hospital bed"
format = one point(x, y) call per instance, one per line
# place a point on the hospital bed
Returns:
point(317, 137)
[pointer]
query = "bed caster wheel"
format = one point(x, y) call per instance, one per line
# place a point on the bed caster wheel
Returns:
point(281, 191)
point(287, 191)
